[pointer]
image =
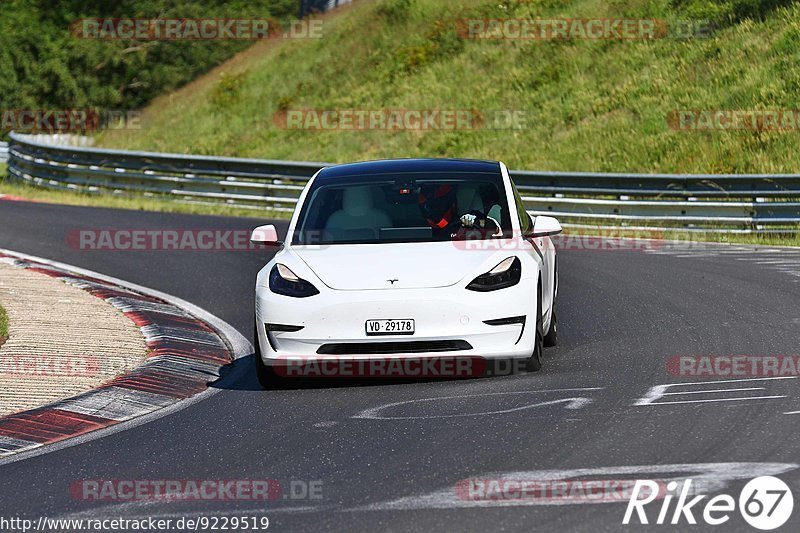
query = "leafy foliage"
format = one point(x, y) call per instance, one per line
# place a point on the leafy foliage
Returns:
point(45, 67)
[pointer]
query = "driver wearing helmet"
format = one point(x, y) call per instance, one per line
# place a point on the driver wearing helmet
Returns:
point(440, 205)
point(437, 203)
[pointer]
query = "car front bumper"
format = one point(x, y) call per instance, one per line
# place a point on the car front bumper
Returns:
point(448, 316)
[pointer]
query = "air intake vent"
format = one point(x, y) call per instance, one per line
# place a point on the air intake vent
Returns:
point(372, 348)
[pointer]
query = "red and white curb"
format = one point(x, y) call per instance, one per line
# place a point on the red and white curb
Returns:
point(187, 349)
point(9, 198)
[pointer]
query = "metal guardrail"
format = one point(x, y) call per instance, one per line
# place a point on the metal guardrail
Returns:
point(3, 152)
point(724, 202)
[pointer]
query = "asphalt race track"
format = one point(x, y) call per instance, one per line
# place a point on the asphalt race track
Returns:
point(622, 316)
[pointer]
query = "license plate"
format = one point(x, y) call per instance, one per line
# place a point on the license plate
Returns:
point(403, 326)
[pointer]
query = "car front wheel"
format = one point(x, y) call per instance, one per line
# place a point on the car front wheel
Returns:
point(551, 339)
point(534, 363)
point(266, 375)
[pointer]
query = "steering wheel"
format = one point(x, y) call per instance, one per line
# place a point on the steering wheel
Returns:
point(491, 229)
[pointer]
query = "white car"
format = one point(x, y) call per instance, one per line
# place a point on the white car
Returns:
point(407, 258)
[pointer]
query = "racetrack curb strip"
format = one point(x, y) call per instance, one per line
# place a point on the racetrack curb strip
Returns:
point(185, 355)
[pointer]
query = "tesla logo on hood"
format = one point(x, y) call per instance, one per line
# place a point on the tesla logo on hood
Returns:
point(392, 281)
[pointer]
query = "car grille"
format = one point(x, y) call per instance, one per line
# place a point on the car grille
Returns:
point(370, 348)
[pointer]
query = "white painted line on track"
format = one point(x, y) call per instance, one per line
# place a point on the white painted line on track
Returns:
point(656, 392)
point(240, 347)
point(690, 383)
point(770, 261)
point(717, 400)
point(712, 391)
point(374, 413)
point(707, 478)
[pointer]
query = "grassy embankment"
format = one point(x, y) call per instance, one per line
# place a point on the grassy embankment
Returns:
point(591, 105)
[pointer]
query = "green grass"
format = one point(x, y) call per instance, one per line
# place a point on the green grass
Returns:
point(3, 325)
point(591, 105)
point(135, 202)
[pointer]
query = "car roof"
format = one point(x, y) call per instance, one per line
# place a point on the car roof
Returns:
point(402, 166)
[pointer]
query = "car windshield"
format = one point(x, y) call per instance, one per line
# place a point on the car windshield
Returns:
point(404, 208)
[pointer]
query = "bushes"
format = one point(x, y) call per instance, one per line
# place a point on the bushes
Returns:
point(395, 11)
point(441, 41)
point(228, 89)
point(45, 67)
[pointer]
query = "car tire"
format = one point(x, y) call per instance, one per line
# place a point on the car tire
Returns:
point(551, 338)
point(534, 362)
point(266, 375)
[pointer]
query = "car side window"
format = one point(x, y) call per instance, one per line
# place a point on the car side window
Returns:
point(525, 222)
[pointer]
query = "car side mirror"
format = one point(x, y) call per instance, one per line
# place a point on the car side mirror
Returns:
point(266, 235)
point(544, 226)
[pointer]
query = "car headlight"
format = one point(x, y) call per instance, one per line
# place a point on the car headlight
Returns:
point(283, 281)
point(506, 274)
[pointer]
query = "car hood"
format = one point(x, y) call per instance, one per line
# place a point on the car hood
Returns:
point(412, 265)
